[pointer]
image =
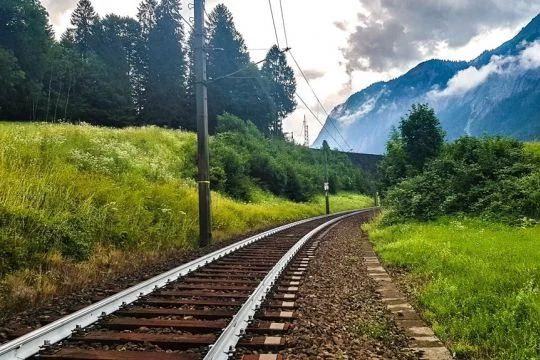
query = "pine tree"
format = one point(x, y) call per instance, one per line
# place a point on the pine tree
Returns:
point(147, 21)
point(227, 53)
point(25, 40)
point(282, 85)
point(84, 19)
point(116, 47)
point(165, 86)
point(147, 16)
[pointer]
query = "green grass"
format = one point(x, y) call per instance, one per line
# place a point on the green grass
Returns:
point(534, 149)
point(66, 189)
point(480, 282)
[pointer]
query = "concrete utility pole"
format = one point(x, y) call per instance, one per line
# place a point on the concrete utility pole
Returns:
point(205, 218)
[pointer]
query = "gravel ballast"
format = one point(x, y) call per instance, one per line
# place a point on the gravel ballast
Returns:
point(340, 315)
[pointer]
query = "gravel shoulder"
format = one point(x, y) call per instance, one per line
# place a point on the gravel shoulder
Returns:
point(341, 314)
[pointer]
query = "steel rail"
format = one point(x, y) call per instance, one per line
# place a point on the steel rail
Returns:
point(226, 343)
point(31, 343)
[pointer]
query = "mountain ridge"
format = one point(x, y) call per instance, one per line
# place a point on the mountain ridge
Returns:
point(477, 97)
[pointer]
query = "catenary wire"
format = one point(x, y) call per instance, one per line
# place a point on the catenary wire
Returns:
point(318, 100)
point(273, 22)
point(319, 121)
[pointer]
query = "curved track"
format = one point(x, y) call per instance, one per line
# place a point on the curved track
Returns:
point(241, 297)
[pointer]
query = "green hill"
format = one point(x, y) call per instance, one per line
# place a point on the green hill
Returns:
point(67, 191)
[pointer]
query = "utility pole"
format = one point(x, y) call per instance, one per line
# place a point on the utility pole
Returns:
point(203, 180)
point(326, 184)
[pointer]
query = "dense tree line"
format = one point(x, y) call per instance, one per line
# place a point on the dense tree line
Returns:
point(424, 178)
point(244, 160)
point(119, 71)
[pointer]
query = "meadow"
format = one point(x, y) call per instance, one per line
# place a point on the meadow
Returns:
point(75, 199)
point(476, 281)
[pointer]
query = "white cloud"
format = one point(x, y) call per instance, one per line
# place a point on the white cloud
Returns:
point(470, 78)
point(530, 58)
point(350, 117)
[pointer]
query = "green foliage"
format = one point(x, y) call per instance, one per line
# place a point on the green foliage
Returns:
point(84, 20)
point(248, 159)
point(119, 71)
point(246, 94)
point(422, 135)
point(420, 138)
point(476, 281)
point(282, 87)
point(67, 189)
point(165, 91)
point(25, 38)
point(489, 176)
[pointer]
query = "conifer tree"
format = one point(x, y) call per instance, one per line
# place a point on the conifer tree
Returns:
point(84, 19)
point(282, 86)
point(146, 16)
point(165, 86)
point(227, 53)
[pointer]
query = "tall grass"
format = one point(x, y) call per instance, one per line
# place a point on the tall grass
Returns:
point(480, 282)
point(67, 191)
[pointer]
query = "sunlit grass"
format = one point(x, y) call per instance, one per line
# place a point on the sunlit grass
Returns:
point(69, 192)
point(481, 281)
point(533, 148)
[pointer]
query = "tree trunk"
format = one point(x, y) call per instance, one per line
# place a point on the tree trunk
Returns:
point(49, 98)
point(67, 97)
point(57, 101)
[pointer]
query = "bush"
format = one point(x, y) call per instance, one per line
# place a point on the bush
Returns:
point(277, 166)
point(489, 176)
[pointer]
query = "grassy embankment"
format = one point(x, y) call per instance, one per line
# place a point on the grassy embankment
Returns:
point(77, 202)
point(476, 281)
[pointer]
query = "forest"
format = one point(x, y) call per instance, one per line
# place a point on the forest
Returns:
point(119, 71)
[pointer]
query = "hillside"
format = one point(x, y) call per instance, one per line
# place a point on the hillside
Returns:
point(494, 94)
point(96, 196)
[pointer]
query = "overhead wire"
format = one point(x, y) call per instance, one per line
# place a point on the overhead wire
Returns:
point(318, 100)
point(187, 22)
point(274, 23)
point(242, 69)
point(319, 121)
point(283, 21)
point(306, 79)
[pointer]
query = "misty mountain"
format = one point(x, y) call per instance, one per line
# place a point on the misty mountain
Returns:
point(497, 93)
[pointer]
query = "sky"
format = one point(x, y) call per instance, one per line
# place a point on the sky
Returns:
point(344, 46)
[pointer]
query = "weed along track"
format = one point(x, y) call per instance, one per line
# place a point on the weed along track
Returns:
point(240, 297)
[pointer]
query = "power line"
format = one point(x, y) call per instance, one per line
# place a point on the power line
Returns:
point(242, 69)
point(187, 22)
point(319, 121)
point(204, 9)
point(319, 101)
point(284, 27)
point(274, 22)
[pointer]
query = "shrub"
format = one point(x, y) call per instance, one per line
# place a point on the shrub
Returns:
point(489, 176)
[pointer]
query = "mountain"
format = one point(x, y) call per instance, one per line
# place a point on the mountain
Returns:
point(498, 93)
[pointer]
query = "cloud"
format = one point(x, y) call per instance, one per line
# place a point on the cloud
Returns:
point(57, 8)
point(341, 25)
point(470, 78)
point(313, 74)
point(396, 34)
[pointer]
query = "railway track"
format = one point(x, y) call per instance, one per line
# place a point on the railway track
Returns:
point(237, 302)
